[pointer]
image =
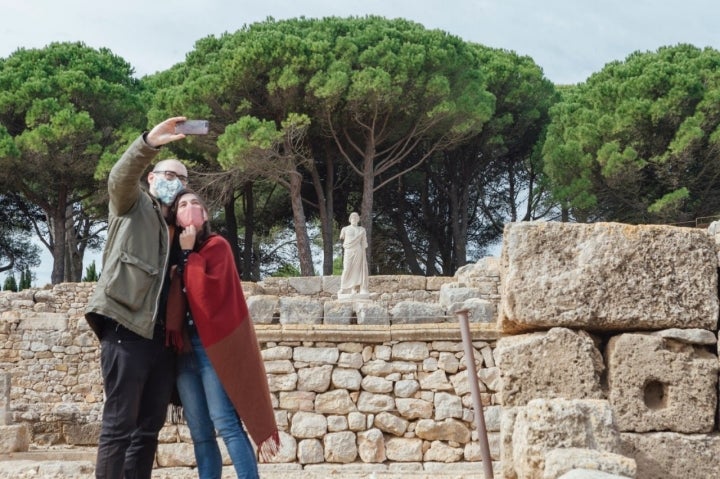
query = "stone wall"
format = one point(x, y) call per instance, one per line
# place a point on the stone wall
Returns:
point(613, 361)
point(377, 383)
point(596, 347)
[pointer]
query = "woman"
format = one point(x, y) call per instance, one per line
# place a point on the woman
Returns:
point(221, 377)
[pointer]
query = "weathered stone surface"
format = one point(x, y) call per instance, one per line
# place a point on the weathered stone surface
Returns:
point(282, 366)
point(297, 400)
point(288, 449)
point(404, 450)
point(82, 434)
point(561, 461)
point(413, 312)
point(306, 285)
point(414, 408)
point(689, 336)
point(396, 283)
point(588, 474)
point(368, 313)
point(340, 447)
point(473, 453)
point(658, 384)
point(371, 446)
point(176, 455)
point(435, 381)
point(405, 388)
point(441, 452)
point(447, 405)
point(337, 423)
point(375, 403)
point(607, 276)
point(376, 384)
point(5, 386)
point(331, 284)
point(455, 293)
point(529, 366)
point(337, 401)
point(315, 356)
point(27, 469)
point(310, 451)
point(478, 310)
point(30, 320)
point(447, 430)
point(264, 309)
point(338, 312)
point(346, 379)
point(668, 455)
point(543, 425)
point(277, 353)
point(410, 351)
point(391, 424)
point(14, 438)
point(316, 379)
point(308, 425)
point(300, 310)
point(282, 382)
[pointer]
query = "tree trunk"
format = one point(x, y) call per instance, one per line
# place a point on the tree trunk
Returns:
point(366, 207)
point(231, 232)
point(459, 214)
point(325, 208)
point(57, 230)
point(301, 234)
point(248, 252)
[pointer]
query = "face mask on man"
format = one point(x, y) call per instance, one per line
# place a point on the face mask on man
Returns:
point(166, 190)
point(191, 215)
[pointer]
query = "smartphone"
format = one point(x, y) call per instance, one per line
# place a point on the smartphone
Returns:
point(192, 127)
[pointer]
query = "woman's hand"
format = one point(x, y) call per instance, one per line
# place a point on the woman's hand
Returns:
point(187, 237)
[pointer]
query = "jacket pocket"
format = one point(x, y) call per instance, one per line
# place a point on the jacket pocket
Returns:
point(131, 282)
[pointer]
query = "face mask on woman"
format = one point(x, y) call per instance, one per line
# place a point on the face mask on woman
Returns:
point(167, 189)
point(191, 215)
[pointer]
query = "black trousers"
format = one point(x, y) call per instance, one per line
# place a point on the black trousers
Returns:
point(138, 378)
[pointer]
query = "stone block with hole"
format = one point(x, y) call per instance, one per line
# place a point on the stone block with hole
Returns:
point(661, 384)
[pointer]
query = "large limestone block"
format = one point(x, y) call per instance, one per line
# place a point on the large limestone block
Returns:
point(558, 364)
point(607, 276)
point(544, 425)
point(668, 455)
point(561, 461)
point(658, 384)
point(14, 438)
point(588, 474)
point(298, 310)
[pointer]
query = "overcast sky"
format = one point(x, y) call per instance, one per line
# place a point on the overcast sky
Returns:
point(568, 39)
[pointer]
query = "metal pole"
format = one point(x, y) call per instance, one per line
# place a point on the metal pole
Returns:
point(475, 392)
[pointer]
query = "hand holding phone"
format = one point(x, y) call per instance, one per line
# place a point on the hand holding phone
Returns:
point(192, 127)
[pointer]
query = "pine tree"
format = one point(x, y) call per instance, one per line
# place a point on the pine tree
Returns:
point(25, 279)
point(91, 273)
point(10, 283)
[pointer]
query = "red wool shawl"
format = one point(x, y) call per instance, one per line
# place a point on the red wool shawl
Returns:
point(218, 307)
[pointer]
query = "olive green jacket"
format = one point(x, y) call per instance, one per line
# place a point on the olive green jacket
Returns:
point(137, 249)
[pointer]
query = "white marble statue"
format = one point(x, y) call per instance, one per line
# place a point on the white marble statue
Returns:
point(355, 269)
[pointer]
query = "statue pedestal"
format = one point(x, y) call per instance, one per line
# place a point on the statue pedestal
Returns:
point(353, 296)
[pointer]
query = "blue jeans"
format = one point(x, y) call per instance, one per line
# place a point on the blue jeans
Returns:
point(206, 407)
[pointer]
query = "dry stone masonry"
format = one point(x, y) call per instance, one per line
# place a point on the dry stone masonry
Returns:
point(595, 344)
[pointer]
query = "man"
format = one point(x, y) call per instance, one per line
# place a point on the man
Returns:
point(127, 309)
